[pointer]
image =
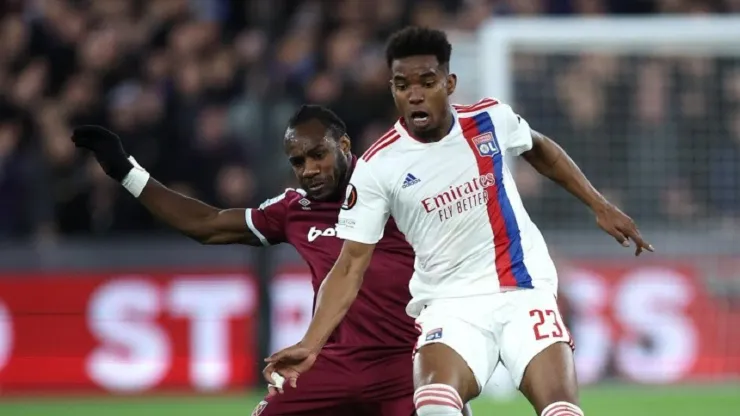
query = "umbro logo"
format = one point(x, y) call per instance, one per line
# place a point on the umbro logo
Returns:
point(305, 204)
point(410, 181)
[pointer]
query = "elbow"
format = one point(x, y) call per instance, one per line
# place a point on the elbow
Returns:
point(200, 239)
point(202, 235)
point(205, 241)
point(205, 231)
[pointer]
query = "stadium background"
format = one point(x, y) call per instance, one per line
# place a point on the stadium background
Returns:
point(103, 311)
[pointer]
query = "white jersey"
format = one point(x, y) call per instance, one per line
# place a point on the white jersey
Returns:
point(456, 202)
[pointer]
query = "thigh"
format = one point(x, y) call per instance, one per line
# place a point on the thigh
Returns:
point(400, 406)
point(537, 349)
point(387, 378)
point(265, 408)
point(453, 351)
point(325, 390)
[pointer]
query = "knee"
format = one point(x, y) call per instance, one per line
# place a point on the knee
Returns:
point(562, 409)
point(437, 400)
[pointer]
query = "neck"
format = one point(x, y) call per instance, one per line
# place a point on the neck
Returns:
point(443, 130)
point(344, 179)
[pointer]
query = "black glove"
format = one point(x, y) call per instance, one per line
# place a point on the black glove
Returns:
point(107, 148)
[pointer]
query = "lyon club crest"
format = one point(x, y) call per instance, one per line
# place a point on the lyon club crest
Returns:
point(485, 144)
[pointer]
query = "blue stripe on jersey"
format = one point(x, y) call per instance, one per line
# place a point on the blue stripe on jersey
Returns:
point(523, 279)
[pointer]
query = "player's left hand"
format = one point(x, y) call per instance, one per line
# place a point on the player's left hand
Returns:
point(290, 363)
point(620, 226)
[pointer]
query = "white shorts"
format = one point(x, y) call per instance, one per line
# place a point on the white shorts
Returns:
point(509, 328)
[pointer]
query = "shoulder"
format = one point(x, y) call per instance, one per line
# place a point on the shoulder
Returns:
point(498, 111)
point(485, 105)
point(285, 199)
point(382, 146)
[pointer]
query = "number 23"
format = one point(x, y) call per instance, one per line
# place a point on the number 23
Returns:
point(541, 317)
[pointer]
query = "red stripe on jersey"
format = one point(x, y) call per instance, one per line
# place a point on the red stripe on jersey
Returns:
point(482, 102)
point(378, 142)
point(496, 220)
point(480, 105)
point(382, 138)
point(381, 144)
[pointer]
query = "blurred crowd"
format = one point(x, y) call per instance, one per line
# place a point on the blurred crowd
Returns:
point(200, 91)
point(660, 136)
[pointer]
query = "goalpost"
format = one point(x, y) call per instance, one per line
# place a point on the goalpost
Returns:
point(500, 38)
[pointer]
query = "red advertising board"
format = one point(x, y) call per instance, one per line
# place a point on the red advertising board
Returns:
point(127, 333)
point(652, 322)
point(644, 321)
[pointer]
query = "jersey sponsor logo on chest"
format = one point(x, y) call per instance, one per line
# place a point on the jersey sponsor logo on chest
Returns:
point(460, 198)
point(314, 233)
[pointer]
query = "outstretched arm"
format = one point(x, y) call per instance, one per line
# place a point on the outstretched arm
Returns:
point(337, 293)
point(197, 220)
point(200, 221)
point(550, 160)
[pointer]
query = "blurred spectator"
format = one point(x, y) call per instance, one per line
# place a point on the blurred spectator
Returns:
point(200, 90)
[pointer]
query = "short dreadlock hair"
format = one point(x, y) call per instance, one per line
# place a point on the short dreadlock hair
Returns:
point(414, 41)
point(325, 116)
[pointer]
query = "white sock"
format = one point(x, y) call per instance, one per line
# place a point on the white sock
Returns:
point(562, 409)
point(437, 400)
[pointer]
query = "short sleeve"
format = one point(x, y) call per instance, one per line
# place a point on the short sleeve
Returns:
point(365, 209)
point(267, 222)
point(517, 137)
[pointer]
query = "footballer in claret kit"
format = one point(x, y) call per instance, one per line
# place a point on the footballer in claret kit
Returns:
point(365, 366)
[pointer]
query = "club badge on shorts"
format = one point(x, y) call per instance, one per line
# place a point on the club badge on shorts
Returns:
point(259, 409)
point(434, 334)
point(485, 144)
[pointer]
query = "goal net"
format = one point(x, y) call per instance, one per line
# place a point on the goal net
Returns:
point(649, 108)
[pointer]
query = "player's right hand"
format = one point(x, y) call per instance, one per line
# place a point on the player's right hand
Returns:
point(107, 148)
point(290, 363)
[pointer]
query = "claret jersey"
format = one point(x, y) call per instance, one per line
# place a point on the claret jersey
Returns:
point(376, 324)
point(456, 202)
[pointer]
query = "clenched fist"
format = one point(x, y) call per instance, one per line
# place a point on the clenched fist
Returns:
point(107, 148)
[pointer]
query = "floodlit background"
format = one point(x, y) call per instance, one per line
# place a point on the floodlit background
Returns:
point(104, 311)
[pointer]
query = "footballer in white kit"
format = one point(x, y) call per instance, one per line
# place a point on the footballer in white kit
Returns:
point(484, 287)
point(456, 202)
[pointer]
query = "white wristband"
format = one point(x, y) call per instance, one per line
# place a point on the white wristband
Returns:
point(277, 380)
point(136, 179)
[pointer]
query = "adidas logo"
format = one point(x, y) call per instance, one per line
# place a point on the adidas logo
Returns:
point(410, 180)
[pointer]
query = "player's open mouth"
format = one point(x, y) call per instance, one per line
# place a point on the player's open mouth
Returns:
point(420, 118)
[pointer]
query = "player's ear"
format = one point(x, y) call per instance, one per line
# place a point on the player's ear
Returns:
point(451, 83)
point(345, 145)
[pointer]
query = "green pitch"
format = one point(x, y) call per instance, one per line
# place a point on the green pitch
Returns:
point(600, 401)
